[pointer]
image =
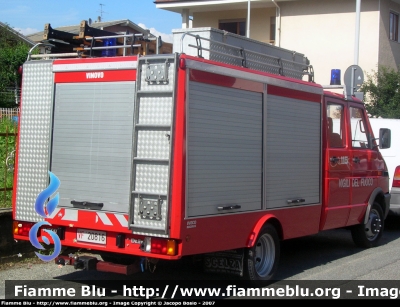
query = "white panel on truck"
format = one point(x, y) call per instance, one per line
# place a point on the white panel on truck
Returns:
point(92, 143)
point(224, 150)
point(293, 152)
point(34, 138)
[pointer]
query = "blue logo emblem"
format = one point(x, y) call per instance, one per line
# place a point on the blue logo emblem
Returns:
point(45, 211)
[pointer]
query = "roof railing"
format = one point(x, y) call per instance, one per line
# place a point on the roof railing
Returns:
point(130, 42)
point(132, 45)
point(252, 59)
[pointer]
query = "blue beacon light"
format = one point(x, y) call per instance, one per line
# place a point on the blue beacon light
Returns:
point(335, 77)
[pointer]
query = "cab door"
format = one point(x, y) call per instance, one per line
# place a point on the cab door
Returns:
point(337, 166)
point(363, 162)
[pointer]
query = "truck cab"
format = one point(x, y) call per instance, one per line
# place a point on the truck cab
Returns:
point(354, 167)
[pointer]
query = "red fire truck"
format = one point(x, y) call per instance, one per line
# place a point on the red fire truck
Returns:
point(220, 150)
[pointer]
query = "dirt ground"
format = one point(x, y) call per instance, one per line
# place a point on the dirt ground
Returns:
point(12, 251)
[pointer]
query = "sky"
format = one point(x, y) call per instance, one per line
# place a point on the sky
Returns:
point(30, 16)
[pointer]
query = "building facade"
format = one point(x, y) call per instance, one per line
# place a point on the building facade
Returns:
point(333, 34)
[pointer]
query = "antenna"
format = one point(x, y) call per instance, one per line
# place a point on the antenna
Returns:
point(101, 11)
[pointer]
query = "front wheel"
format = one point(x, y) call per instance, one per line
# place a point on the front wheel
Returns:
point(368, 234)
point(261, 260)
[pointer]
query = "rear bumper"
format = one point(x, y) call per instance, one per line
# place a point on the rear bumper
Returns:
point(114, 242)
point(90, 263)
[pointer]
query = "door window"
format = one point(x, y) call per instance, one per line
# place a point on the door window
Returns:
point(334, 114)
point(359, 137)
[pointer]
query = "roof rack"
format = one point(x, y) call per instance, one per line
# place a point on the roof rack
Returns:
point(132, 45)
point(237, 50)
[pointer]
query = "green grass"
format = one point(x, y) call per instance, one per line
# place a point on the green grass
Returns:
point(8, 129)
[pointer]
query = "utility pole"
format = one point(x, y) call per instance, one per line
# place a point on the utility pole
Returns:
point(357, 37)
point(248, 19)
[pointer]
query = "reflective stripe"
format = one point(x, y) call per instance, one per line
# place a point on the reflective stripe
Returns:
point(122, 219)
point(104, 218)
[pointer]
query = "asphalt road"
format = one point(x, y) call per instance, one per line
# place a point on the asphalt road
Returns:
point(328, 256)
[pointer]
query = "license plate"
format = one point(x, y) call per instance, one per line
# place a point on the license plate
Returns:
point(91, 236)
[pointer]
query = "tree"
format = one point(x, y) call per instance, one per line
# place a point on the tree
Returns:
point(13, 53)
point(382, 93)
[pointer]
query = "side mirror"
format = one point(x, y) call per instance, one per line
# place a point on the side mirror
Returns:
point(384, 138)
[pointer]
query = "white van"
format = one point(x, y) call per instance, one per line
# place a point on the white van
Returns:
point(392, 158)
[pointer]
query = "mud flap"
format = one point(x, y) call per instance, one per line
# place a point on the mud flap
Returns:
point(225, 262)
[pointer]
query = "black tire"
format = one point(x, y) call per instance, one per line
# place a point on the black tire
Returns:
point(261, 260)
point(369, 234)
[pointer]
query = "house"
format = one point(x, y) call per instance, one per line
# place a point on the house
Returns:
point(333, 34)
point(16, 36)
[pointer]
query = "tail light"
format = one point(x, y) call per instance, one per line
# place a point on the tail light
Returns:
point(396, 178)
point(22, 228)
point(160, 246)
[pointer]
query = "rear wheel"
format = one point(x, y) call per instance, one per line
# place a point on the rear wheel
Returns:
point(261, 260)
point(369, 234)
